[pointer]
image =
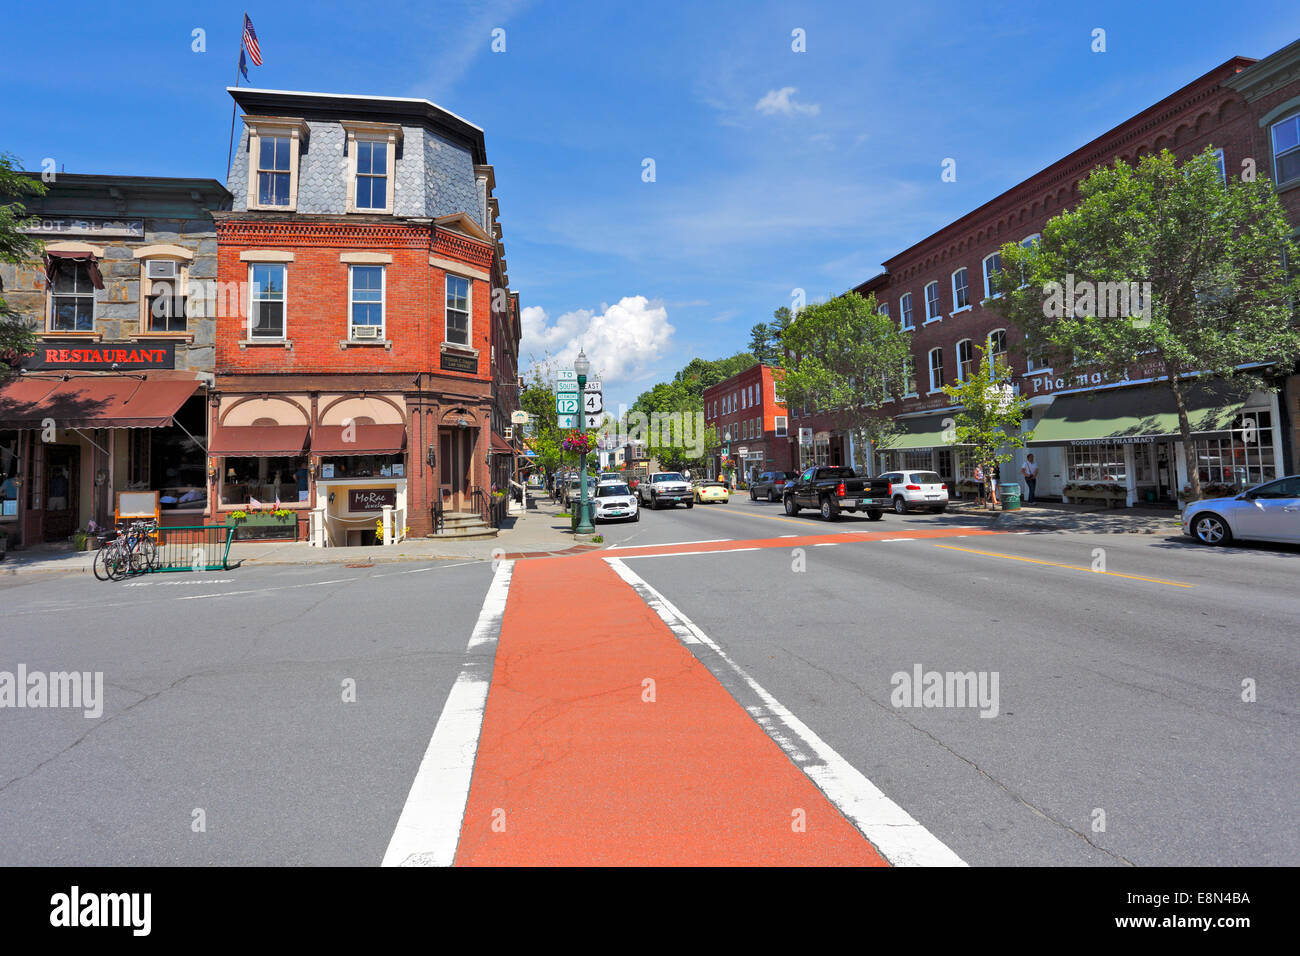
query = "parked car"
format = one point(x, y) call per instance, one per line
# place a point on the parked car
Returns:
point(572, 489)
point(610, 476)
point(771, 485)
point(835, 489)
point(707, 491)
point(916, 489)
point(666, 487)
point(614, 501)
point(1267, 512)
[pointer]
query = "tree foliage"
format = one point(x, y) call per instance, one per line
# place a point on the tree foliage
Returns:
point(1207, 261)
point(989, 416)
point(847, 361)
point(16, 248)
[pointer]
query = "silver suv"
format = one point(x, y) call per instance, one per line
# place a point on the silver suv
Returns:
point(666, 487)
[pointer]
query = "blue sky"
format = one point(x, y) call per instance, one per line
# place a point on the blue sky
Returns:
point(774, 170)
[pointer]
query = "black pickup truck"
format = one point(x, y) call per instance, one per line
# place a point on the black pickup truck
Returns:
point(834, 489)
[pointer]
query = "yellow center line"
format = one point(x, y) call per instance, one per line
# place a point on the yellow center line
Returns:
point(1072, 567)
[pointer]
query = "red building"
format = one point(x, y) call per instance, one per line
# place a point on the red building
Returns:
point(751, 421)
point(935, 289)
point(369, 357)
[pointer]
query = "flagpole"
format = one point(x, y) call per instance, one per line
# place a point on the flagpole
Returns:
point(230, 150)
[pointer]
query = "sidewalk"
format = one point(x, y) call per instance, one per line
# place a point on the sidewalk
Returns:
point(1088, 519)
point(536, 533)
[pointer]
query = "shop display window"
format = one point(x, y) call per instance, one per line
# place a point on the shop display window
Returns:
point(364, 466)
point(261, 481)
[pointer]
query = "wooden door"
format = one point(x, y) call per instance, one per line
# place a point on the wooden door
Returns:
point(62, 492)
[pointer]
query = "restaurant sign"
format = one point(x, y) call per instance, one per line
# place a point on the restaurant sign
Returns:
point(104, 358)
point(86, 226)
point(371, 499)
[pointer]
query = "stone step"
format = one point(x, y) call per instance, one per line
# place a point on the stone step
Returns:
point(468, 533)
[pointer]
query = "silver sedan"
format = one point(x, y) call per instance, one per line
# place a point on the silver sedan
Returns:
point(1267, 512)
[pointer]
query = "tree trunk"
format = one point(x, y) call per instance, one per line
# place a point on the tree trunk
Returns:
point(1185, 432)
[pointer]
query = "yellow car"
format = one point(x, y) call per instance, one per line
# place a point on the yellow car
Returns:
point(706, 491)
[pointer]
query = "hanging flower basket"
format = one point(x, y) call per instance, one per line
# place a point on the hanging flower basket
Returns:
point(578, 441)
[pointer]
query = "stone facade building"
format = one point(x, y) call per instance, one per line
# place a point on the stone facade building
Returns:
point(113, 398)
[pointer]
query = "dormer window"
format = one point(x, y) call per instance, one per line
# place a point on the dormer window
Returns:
point(273, 146)
point(372, 165)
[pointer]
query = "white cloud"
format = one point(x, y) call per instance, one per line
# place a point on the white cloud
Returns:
point(621, 339)
point(780, 101)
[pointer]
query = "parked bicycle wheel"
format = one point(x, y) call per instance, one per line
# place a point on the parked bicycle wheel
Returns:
point(119, 561)
point(144, 555)
point(101, 562)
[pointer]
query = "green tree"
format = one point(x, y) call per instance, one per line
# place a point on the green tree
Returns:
point(989, 415)
point(760, 343)
point(16, 248)
point(846, 361)
point(1170, 265)
point(781, 319)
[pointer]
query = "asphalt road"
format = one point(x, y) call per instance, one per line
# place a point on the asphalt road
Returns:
point(1118, 694)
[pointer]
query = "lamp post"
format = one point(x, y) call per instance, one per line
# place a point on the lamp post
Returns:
point(582, 366)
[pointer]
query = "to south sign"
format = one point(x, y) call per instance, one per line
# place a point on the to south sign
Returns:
point(78, 355)
point(371, 499)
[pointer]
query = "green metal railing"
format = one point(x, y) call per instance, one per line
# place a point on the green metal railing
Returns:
point(194, 548)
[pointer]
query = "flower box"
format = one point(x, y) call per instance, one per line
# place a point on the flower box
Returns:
point(263, 524)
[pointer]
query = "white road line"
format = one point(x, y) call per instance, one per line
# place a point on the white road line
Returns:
point(887, 540)
point(673, 544)
point(436, 567)
point(826, 544)
point(281, 587)
point(680, 554)
point(428, 830)
point(891, 829)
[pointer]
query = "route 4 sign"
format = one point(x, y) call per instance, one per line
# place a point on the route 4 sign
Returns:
point(593, 403)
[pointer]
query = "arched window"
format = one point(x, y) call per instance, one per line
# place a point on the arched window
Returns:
point(936, 369)
point(932, 302)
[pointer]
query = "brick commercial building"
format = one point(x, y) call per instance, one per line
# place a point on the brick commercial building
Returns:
point(114, 397)
point(1087, 428)
point(748, 414)
point(374, 355)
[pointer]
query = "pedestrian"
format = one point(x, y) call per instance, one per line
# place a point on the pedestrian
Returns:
point(996, 471)
point(979, 481)
point(1030, 470)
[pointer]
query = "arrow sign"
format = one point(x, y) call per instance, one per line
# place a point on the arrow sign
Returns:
point(594, 421)
point(567, 421)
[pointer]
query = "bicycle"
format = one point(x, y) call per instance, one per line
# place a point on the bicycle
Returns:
point(133, 551)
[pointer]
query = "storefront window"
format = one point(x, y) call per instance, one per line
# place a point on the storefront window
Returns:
point(169, 461)
point(8, 474)
point(916, 460)
point(263, 481)
point(1097, 463)
point(364, 466)
point(1244, 458)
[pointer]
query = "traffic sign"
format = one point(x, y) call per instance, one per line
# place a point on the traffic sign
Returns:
point(593, 403)
point(595, 421)
point(566, 375)
point(566, 388)
point(568, 421)
point(566, 405)
point(593, 386)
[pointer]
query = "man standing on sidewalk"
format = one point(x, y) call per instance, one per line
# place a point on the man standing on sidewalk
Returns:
point(1030, 470)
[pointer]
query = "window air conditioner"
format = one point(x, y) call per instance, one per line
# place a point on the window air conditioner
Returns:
point(365, 331)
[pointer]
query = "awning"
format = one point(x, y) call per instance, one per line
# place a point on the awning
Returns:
point(365, 440)
point(500, 446)
point(258, 441)
point(1132, 415)
point(94, 401)
point(918, 433)
point(52, 260)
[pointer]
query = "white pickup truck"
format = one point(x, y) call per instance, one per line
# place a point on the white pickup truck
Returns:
point(666, 487)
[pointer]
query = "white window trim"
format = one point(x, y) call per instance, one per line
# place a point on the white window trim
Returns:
point(182, 258)
point(964, 308)
point(469, 307)
point(383, 303)
point(929, 361)
point(388, 133)
point(781, 425)
point(988, 345)
point(296, 130)
point(984, 267)
point(957, 352)
point(952, 280)
point(1223, 165)
point(1273, 123)
point(906, 313)
point(938, 301)
point(284, 312)
point(94, 299)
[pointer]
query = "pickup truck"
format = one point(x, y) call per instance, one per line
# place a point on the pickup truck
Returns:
point(835, 489)
point(666, 487)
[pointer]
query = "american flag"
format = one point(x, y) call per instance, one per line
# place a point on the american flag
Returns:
point(250, 42)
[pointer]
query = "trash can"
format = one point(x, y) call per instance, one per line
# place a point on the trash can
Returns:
point(1009, 492)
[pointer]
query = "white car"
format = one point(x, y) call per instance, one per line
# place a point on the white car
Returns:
point(1267, 512)
point(614, 501)
point(666, 487)
point(916, 489)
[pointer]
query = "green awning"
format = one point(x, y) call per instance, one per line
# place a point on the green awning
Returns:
point(923, 432)
point(1132, 415)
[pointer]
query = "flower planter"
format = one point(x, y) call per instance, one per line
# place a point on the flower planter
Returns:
point(264, 525)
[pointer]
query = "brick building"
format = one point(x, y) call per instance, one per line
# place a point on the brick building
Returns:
point(1084, 427)
point(114, 397)
point(374, 356)
point(747, 413)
